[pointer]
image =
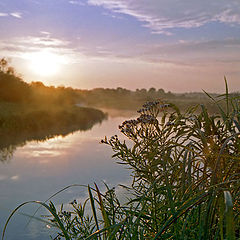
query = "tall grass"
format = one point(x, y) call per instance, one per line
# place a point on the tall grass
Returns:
point(185, 179)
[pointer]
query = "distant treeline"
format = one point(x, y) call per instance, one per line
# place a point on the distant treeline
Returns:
point(121, 98)
point(14, 89)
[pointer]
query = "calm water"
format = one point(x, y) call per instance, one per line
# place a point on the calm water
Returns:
point(39, 169)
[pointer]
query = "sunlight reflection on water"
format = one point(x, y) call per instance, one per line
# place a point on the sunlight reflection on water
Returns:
point(39, 169)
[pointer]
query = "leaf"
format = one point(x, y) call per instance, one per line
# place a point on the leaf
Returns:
point(103, 211)
point(230, 233)
point(93, 207)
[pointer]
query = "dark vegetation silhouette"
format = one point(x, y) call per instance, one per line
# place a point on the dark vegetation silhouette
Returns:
point(36, 112)
point(14, 90)
point(124, 99)
point(121, 98)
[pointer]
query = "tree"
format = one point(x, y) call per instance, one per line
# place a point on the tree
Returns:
point(3, 65)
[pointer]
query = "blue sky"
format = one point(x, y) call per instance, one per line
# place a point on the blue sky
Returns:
point(178, 45)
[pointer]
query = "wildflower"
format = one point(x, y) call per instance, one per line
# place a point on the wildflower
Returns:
point(145, 118)
point(163, 106)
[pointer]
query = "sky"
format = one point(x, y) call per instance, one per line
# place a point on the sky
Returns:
point(177, 45)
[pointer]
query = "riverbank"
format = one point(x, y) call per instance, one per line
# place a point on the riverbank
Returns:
point(20, 122)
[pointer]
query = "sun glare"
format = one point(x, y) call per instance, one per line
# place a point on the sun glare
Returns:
point(44, 63)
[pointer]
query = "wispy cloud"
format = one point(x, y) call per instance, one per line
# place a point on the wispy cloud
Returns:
point(45, 33)
point(112, 15)
point(21, 47)
point(3, 14)
point(181, 53)
point(75, 2)
point(12, 14)
point(16, 14)
point(162, 15)
point(45, 41)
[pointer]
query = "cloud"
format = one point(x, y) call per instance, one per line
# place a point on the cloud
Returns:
point(191, 52)
point(31, 43)
point(3, 14)
point(74, 2)
point(16, 14)
point(112, 15)
point(182, 53)
point(12, 14)
point(162, 15)
point(45, 33)
point(21, 47)
point(46, 41)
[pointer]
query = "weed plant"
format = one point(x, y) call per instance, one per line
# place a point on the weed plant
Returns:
point(185, 179)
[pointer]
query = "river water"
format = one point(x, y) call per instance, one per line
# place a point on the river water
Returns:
point(37, 170)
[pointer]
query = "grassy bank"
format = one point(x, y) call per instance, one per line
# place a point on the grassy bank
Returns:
point(33, 117)
point(20, 122)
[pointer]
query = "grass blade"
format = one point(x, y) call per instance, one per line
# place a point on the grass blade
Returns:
point(49, 208)
point(93, 207)
point(230, 233)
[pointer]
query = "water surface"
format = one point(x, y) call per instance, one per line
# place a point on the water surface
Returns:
point(37, 170)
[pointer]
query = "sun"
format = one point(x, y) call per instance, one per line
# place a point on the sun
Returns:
point(44, 63)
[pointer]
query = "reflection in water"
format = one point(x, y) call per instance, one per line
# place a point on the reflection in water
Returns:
point(9, 141)
point(41, 168)
point(6, 153)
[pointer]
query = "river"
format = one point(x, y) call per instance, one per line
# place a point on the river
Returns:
point(37, 170)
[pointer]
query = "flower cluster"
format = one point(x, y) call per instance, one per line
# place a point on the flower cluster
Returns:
point(127, 127)
point(130, 127)
point(133, 128)
point(145, 118)
point(129, 123)
point(150, 105)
